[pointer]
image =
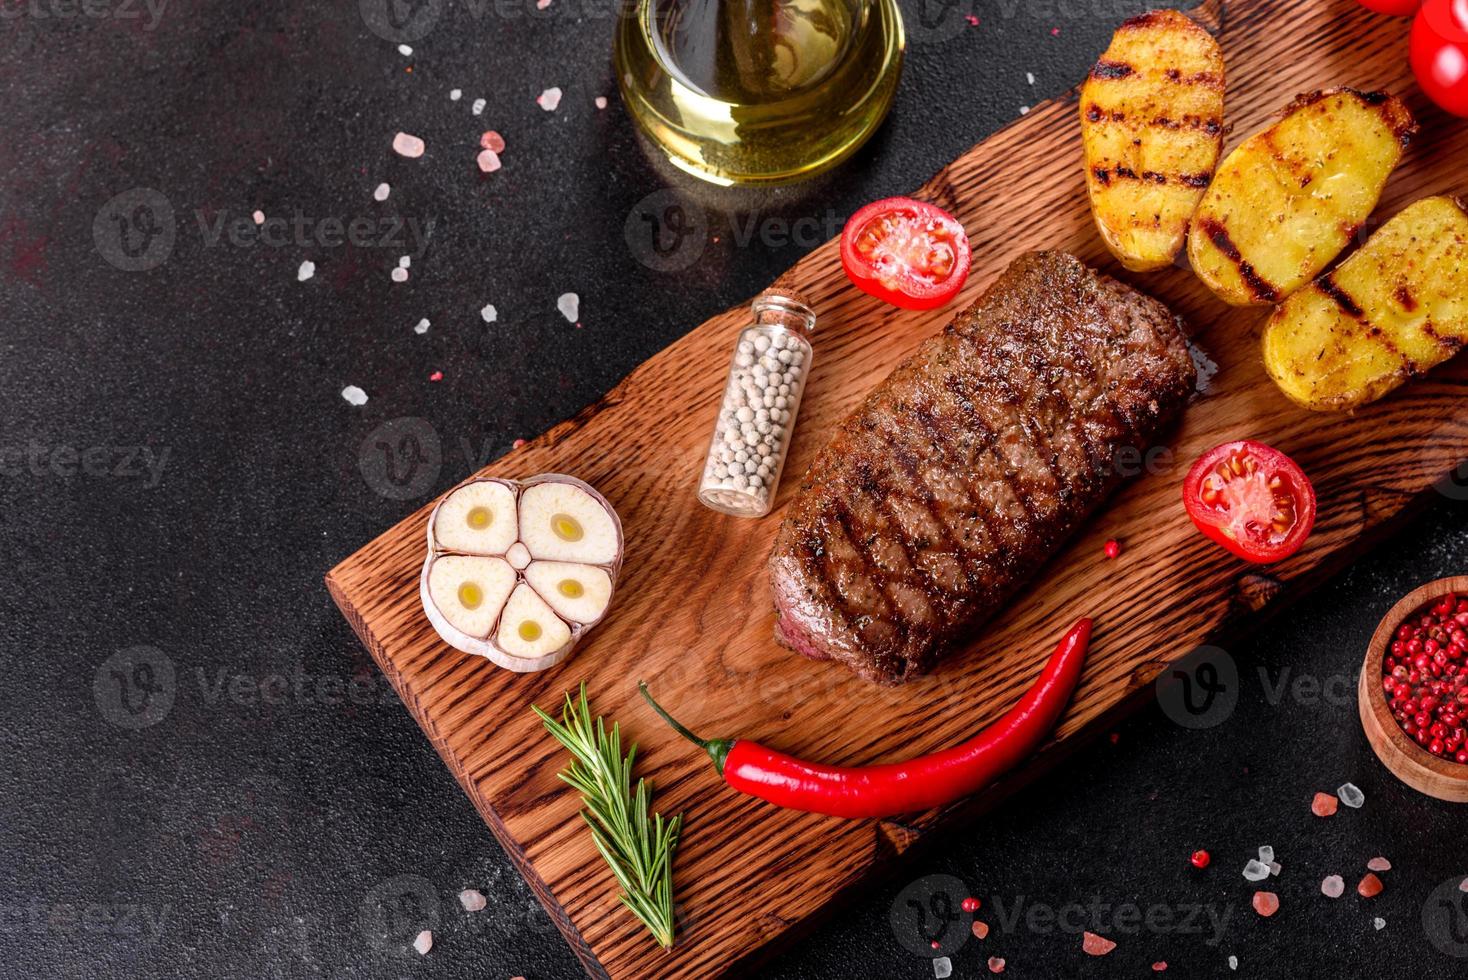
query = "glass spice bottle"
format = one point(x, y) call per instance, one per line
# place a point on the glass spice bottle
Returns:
point(761, 400)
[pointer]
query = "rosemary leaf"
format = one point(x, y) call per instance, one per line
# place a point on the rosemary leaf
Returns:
point(636, 844)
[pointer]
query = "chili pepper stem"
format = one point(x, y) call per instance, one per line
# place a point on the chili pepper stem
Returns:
point(717, 748)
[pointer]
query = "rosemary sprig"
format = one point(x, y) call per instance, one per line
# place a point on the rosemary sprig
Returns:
point(638, 848)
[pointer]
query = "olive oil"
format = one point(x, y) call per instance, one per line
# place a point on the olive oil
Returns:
point(758, 91)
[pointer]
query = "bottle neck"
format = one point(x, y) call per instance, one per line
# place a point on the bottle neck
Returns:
point(775, 307)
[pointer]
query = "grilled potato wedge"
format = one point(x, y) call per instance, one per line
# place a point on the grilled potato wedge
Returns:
point(1394, 309)
point(1289, 199)
point(1152, 124)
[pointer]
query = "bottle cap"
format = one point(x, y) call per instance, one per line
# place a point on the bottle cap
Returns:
point(786, 307)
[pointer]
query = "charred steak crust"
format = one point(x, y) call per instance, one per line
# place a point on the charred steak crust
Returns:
point(964, 470)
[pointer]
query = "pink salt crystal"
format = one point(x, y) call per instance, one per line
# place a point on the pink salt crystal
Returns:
point(996, 964)
point(518, 443)
point(1324, 805)
point(549, 99)
point(1332, 886)
point(1266, 903)
point(1370, 886)
point(542, 4)
point(1463, 885)
point(601, 101)
point(259, 217)
point(1159, 966)
point(492, 141)
point(408, 146)
point(423, 943)
point(981, 929)
point(1378, 864)
point(436, 376)
point(489, 161)
point(1096, 945)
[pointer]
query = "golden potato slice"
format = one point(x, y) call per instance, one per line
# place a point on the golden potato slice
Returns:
point(1152, 125)
point(1396, 308)
point(1286, 202)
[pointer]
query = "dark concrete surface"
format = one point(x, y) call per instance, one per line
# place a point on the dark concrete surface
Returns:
point(204, 775)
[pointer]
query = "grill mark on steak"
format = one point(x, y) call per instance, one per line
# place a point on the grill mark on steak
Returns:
point(959, 474)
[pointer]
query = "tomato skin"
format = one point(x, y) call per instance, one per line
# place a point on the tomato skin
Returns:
point(1440, 53)
point(1221, 523)
point(905, 288)
point(1394, 8)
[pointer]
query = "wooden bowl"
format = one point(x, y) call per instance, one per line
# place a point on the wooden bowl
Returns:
point(1408, 761)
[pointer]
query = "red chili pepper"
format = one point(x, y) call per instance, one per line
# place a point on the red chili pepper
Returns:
point(902, 787)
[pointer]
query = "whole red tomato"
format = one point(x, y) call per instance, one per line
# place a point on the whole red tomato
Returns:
point(1440, 53)
point(1397, 8)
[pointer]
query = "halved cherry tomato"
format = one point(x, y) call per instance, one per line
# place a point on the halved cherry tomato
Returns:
point(906, 252)
point(1252, 499)
point(1396, 8)
point(1440, 53)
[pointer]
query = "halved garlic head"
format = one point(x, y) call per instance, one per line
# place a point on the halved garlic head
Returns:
point(469, 591)
point(577, 592)
point(518, 572)
point(478, 519)
point(562, 522)
point(529, 628)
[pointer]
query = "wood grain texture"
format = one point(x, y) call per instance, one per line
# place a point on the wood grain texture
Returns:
point(693, 615)
point(1408, 761)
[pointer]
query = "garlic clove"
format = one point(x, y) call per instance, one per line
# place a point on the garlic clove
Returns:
point(469, 591)
point(530, 629)
point(579, 593)
point(563, 522)
point(478, 518)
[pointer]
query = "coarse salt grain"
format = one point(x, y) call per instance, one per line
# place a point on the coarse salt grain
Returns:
point(1024, 110)
point(306, 271)
point(1351, 796)
point(1463, 885)
point(601, 101)
point(423, 943)
point(354, 395)
point(455, 94)
point(1333, 886)
point(1378, 864)
point(549, 99)
point(1379, 922)
point(400, 274)
point(405, 261)
point(489, 313)
point(1233, 962)
point(1095, 945)
point(1266, 903)
point(1275, 868)
point(996, 964)
point(489, 161)
point(1266, 854)
point(421, 326)
point(381, 193)
point(405, 50)
point(1030, 77)
point(492, 140)
point(478, 106)
point(570, 306)
point(405, 144)
point(472, 899)
point(1255, 870)
point(259, 217)
point(942, 965)
point(1323, 805)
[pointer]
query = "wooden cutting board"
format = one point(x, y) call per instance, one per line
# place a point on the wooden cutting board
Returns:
point(693, 614)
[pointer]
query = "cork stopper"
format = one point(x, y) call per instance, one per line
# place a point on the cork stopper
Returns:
point(786, 307)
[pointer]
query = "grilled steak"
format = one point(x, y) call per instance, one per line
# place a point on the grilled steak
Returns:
point(964, 470)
